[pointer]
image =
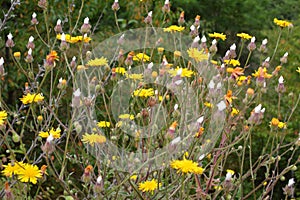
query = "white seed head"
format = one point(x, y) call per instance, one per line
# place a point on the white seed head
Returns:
point(265, 41)
point(267, 59)
point(85, 35)
point(263, 110)
point(74, 58)
point(1, 61)
point(63, 37)
point(280, 80)
point(203, 39)
point(221, 106)
point(291, 182)
point(196, 39)
point(253, 39)
point(156, 92)
point(167, 1)
point(192, 27)
point(99, 179)
point(60, 80)
point(176, 106)
point(30, 51)
point(58, 22)
point(200, 119)
point(86, 20)
point(9, 36)
point(150, 65)
point(77, 93)
point(31, 39)
point(286, 54)
point(50, 138)
point(222, 66)
point(257, 109)
point(176, 140)
point(150, 14)
point(233, 47)
point(116, 1)
point(34, 15)
point(214, 42)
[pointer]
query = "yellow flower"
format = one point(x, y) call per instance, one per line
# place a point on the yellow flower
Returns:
point(186, 166)
point(3, 117)
point(217, 36)
point(230, 171)
point(177, 53)
point(174, 28)
point(74, 39)
point(243, 79)
point(17, 54)
point(214, 62)
point(98, 62)
point(244, 36)
point(282, 23)
point(93, 139)
point(281, 125)
point(103, 124)
point(120, 70)
point(274, 122)
point(234, 112)
point(141, 57)
point(126, 116)
point(207, 104)
point(160, 49)
point(197, 55)
point(29, 173)
point(184, 72)
point(232, 62)
point(54, 133)
point(298, 70)
point(134, 76)
point(9, 169)
point(149, 186)
point(29, 98)
point(262, 72)
point(52, 56)
point(133, 177)
point(144, 92)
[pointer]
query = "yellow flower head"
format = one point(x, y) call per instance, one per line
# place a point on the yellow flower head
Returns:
point(141, 57)
point(93, 139)
point(126, 116)
point(52, 56)
point(149, 186)
point(103, 124)
point(183, 72)
point(144, 92)
point(74, 39)
point(54, 133)
point(232, 62)
point(186, 166)
point(134, 77)
point(133, 177)
point(3, 117)
point(120, 70)
point(207, 104)
point(234, 112)
point(217, 36)
point(10, 169)
point(98, 62)
point(262, 72)
point(244, 36)
point(29, 98)
point(197, 55)
point(29, 173)
point(230, 171)
point(174, 28)
point(282, 23)
point(274, 122)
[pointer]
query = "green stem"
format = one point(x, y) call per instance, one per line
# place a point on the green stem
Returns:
point(277, 43)
point(116, 20)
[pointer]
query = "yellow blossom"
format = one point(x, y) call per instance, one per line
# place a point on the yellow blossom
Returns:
point(144, 92)
point(126, 116)
point(54, 133)
point(29, 173)
point(103, 124)
point(149, 186)
point(133, 177)
point(186, 166)
point(134, 76)
point(298, 70)
point(217, 36)
point(141, 57)
point(281, 125)
point(98, 62)
point(174, 28)
point(274, 122)
point(120, 70)
point(244, 36)
point(184, 72)
point(29, 98)
point(197, 55)
point(10, 169)
point(93, 139)
point(230, 171)
point(262, 72)
point(282, 23)
point(3, 117)
point(234, 112)
point(207, 104)
point(74, 39)
point(232, 62)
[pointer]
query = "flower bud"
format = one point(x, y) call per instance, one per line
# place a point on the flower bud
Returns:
point(2, 71)
point(9, 42)
point(29, 58)
point(34, 20)
point(148, 19)
point(43, 4)
point(181, 19)
point(58, 27)
point(251, 45)
point(166, 7)
point(115, 6)
point(283, 59)
point(86, 27)
point(280, 87)
point(30, 44)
